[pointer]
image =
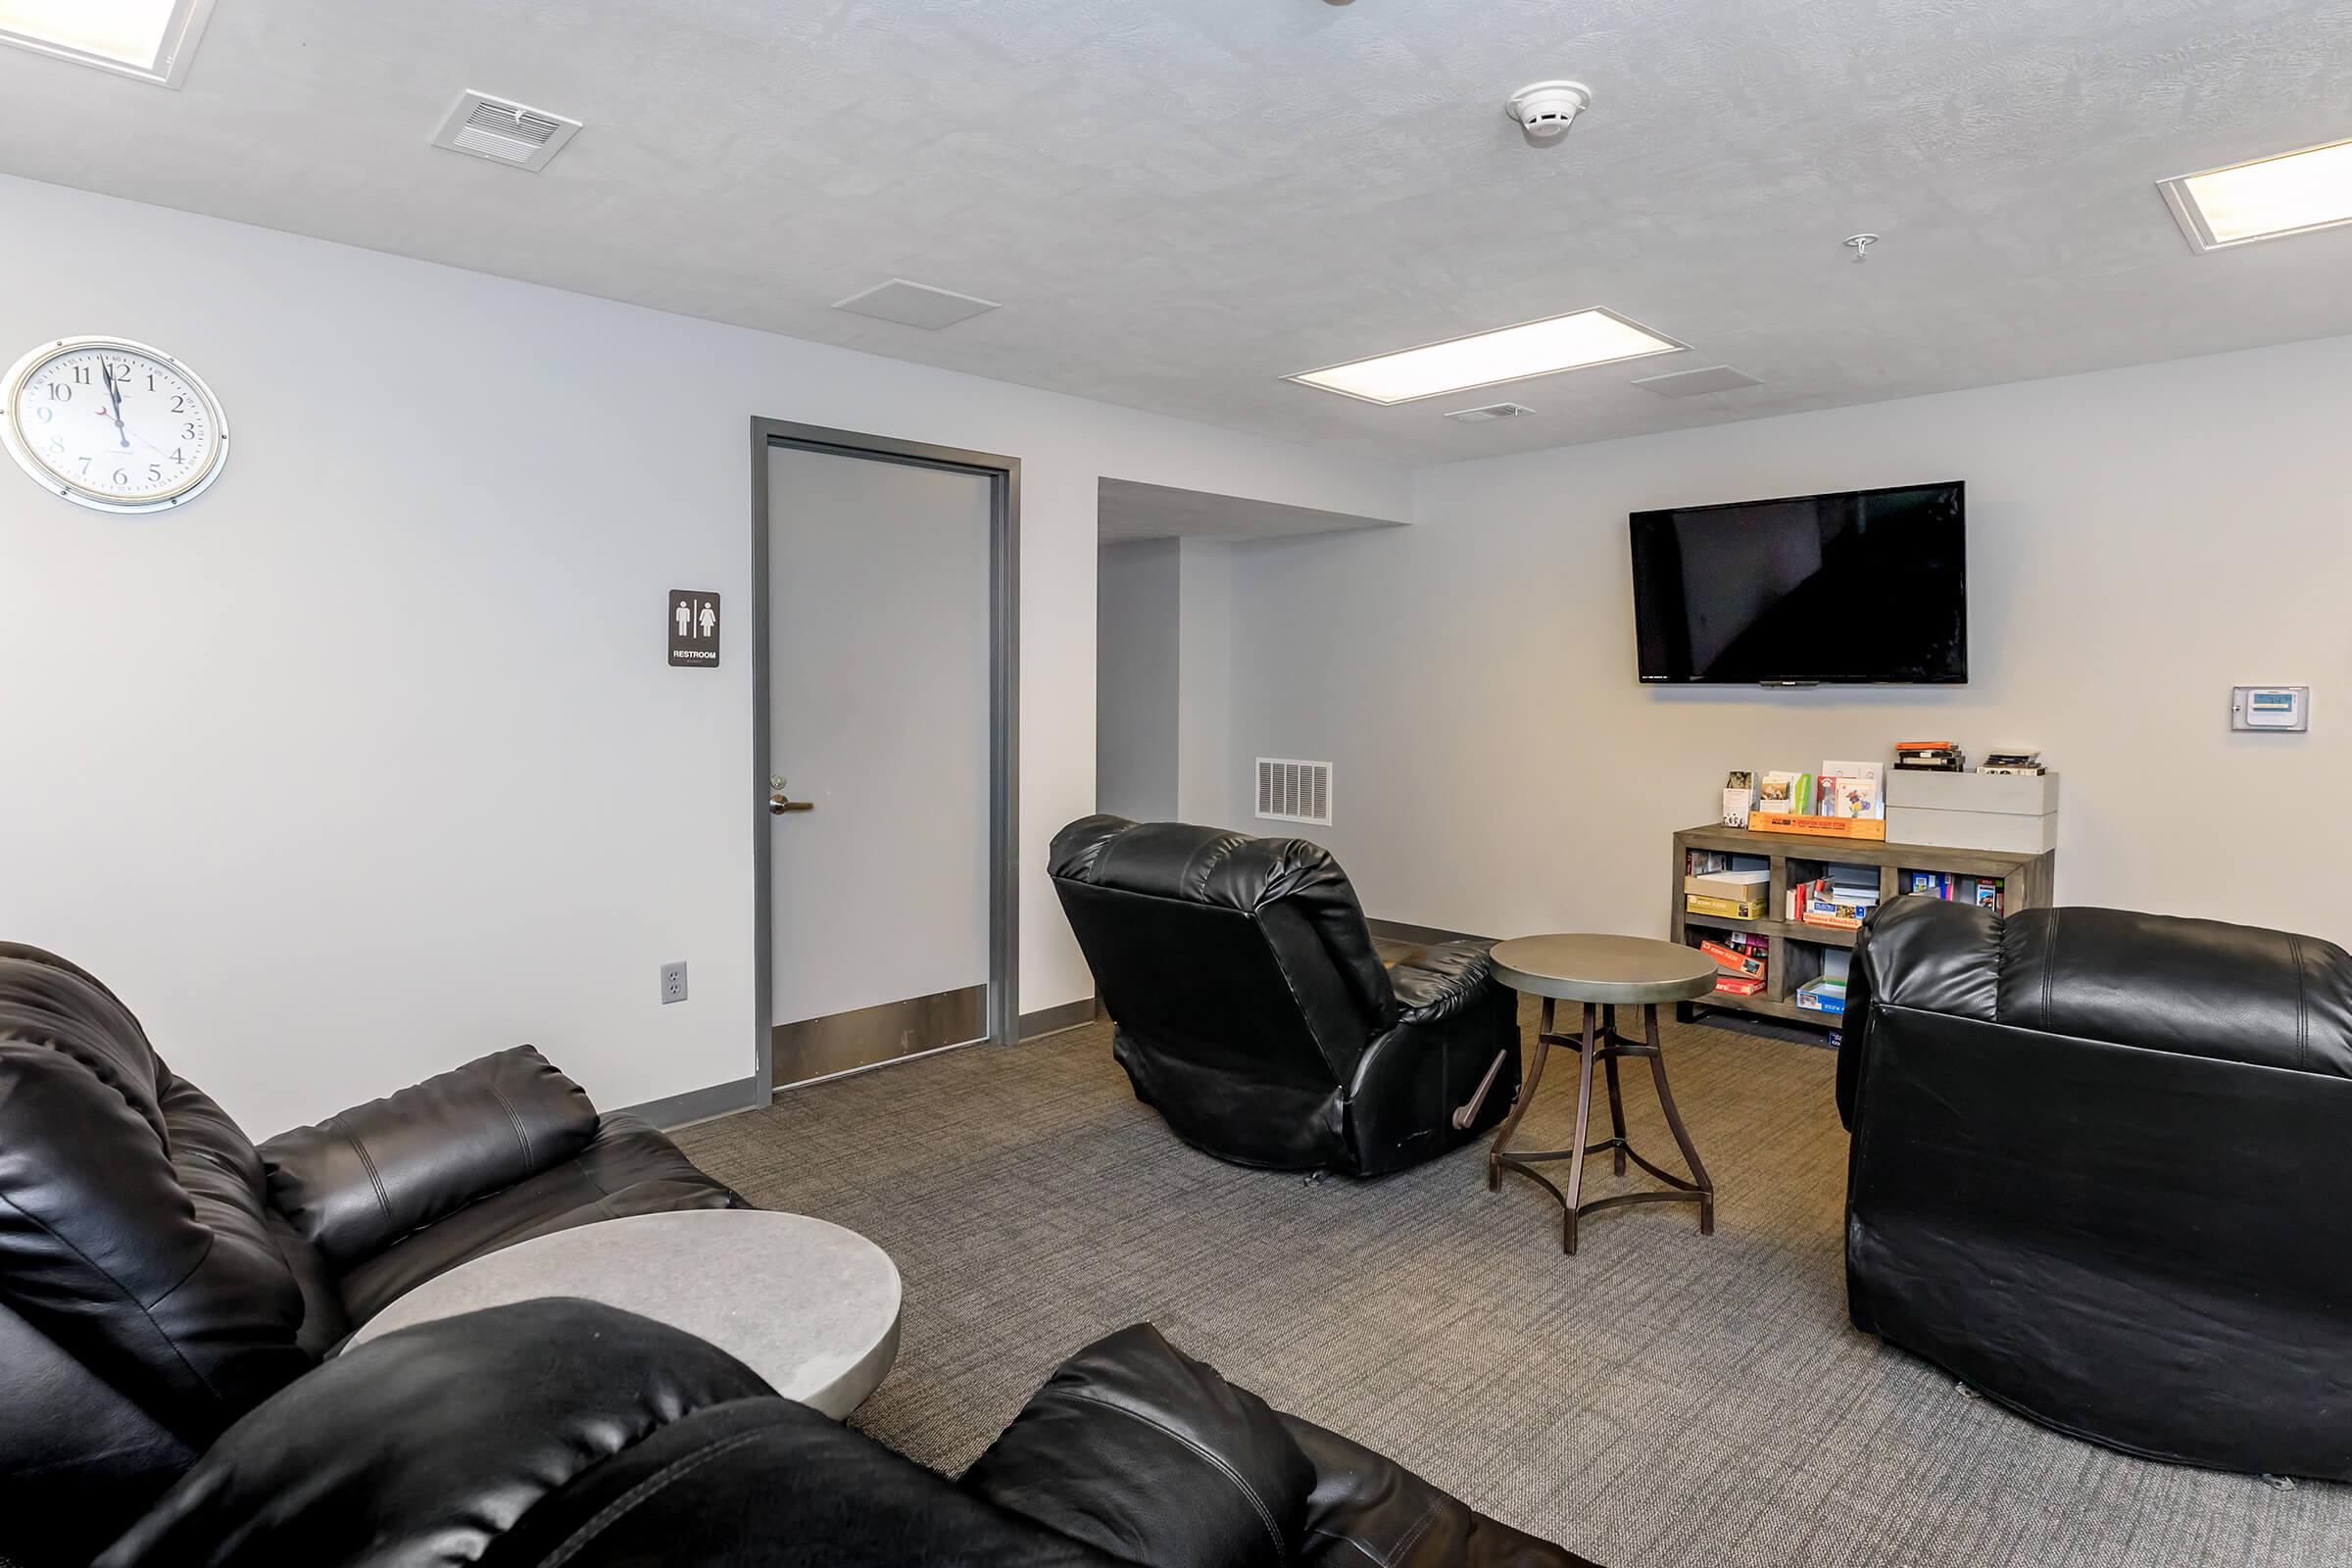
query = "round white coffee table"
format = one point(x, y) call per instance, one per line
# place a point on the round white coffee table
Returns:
point(812, 1307)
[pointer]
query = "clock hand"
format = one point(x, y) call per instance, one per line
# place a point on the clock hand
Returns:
point(114, 394)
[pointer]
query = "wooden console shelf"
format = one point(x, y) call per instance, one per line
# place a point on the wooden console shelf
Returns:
point(1796, 947)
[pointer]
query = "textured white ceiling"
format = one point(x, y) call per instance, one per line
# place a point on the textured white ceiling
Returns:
point(1179, 203)
point(1128, 509)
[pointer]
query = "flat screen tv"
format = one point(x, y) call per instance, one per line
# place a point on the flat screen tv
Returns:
point(1863, 586)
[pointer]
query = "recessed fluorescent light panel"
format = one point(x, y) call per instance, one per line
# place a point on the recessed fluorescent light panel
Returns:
point(1509, 353)
point(2269, 198)
point(150, 39)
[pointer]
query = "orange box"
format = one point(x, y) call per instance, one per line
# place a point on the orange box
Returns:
point(1820, 828)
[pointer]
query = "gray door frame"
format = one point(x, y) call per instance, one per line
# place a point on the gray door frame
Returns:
point(1003, 709)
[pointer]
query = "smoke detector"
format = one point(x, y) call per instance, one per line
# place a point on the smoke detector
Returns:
point(1545, 110)
point(504, 132)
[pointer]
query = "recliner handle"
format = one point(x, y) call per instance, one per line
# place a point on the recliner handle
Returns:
point(1463, 1118)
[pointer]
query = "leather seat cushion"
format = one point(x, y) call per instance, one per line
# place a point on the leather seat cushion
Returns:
point(1149, 1455)
point(630, 1168)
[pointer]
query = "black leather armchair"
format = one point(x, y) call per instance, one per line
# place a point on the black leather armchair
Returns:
point(563, 1433)
point(160, 1275)
point(1253, 1013)
point(2098, 1173)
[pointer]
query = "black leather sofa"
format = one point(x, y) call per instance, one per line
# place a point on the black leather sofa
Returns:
point(1253, 1013)
point(161, 1275)
point(562, 1433)
point(2099, 1173)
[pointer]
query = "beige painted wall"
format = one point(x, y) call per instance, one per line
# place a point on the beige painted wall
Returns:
point(2140, 540)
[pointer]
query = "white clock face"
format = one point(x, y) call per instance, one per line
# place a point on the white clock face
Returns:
point(111, 424)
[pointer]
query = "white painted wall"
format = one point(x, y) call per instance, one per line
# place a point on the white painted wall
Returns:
point(369, 759)
point(1164, 681)
point(1137, 633)
point(2140, 540)
point(1207, 770)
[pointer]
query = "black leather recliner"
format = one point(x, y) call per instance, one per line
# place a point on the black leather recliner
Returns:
point(160, 1275)
point(1253, 1013)
point(561, 1434)
point(2099, 1173)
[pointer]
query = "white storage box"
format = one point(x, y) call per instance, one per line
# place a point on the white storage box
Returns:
point(2014, 812)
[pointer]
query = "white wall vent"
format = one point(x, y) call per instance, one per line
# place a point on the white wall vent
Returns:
point(504, 132)
point(1291, 791)
point(1491, 410)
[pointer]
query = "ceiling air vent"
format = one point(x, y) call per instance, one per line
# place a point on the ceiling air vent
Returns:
point(1690, 383)
point(1491, 410)
point(503, 132)
point(915, 305)
point(1293, 792)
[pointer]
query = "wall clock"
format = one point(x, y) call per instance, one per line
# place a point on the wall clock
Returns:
point(113, 426)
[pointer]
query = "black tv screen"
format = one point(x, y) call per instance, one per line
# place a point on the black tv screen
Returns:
point(1860, 586)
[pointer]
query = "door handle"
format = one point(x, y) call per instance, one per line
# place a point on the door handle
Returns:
point(778, 803)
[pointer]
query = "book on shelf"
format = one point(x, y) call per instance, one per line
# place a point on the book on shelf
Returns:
point(1776, 795)
point(1928, 757)
point(1724, 909)
point(1985, 892)
point(1738, 797)
point(1743, 886)
point(1826, 992)
point(1740, 961)
point(1821, 994)
point(2013, 762)
point(1852, 789)
point(1843, 901)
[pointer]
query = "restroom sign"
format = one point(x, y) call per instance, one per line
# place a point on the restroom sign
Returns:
point(693, 627)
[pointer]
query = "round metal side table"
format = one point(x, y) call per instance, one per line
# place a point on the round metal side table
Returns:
point(1602, 973)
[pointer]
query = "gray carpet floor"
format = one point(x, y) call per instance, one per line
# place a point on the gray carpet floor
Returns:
point(1659, 1401)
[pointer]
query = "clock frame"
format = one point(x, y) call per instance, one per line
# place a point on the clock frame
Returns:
point(196, 410)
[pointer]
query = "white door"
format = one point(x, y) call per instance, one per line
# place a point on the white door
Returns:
point(878, 719)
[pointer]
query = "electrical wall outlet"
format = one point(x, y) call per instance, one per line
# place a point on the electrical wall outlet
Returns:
point(673, 982)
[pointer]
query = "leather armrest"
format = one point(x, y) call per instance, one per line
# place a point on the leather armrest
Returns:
point(359, 1181)
point(428, 1444)
point(1367, 1509)
point(1442, 982)
point(1150, 1456)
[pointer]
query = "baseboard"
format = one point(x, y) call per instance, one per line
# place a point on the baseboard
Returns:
point(672, 1111)
point(1426, 935)
point(1053, 1020)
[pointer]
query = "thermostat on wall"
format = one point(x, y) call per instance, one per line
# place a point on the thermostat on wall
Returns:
point(2270, 707)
